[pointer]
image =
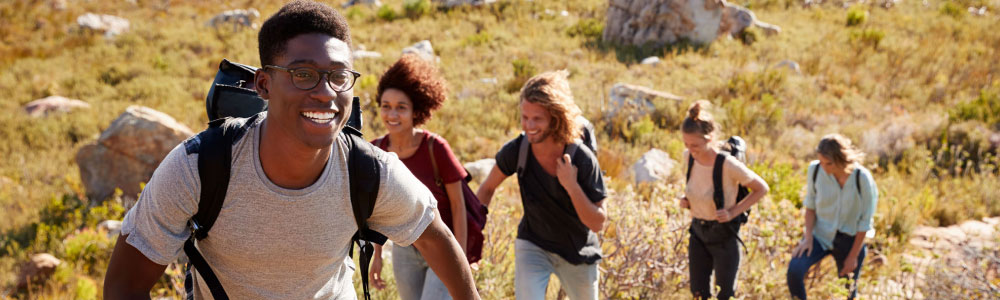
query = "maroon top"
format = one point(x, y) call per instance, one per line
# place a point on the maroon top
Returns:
point(419, 163)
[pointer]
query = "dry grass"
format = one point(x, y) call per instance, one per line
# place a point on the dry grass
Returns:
point(915, 84)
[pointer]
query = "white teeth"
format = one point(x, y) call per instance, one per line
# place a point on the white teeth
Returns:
point(393, 123)
point(319, 117)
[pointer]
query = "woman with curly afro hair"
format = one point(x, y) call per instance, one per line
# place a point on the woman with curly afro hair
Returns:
point(408, 93)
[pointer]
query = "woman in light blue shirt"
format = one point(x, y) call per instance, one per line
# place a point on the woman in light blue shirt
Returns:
point(840, 201)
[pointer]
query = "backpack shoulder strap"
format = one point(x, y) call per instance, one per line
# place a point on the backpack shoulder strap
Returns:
point(522, 155)
point(571, 149)
point(430, 149)
point(857, 180)
point(720, 160)
point(690, 162)
point(364, 174)
point(815, 173)
point(214, 147)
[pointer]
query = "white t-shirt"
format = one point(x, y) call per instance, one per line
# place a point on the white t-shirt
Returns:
point(270, 242)
point(700, 190)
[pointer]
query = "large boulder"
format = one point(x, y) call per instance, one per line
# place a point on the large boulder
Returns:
point(636, 100)
point(37, 270)
point(661, 22)
point(107, 24)
point(126, 153)
point(654, 166)
point(237, 18)
point(53, 104)
point(422, 49)
point(480, 169)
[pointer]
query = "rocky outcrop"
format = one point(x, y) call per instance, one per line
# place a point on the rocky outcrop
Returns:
point(109, 25)
point(53, 104)
point(126, 153)
point(640, 22)
point(655, 165)
point(37, 270)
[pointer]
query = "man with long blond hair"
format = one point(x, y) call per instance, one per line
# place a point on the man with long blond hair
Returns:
point(561, 189)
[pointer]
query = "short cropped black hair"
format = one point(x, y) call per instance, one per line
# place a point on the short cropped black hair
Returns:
point(295, 18)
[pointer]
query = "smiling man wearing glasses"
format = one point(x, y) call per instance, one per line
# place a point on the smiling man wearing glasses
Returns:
point(285, 228)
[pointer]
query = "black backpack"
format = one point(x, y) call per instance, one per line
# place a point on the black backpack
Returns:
point(736, 147)
point(233, 108)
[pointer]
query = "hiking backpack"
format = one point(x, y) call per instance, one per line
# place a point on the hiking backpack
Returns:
point(735, 146)
point(233, 108)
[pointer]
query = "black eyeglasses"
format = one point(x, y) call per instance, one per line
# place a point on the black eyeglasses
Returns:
point(305, 78)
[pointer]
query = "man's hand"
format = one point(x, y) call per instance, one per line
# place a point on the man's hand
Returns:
point(805, 247)
point(566, 171)
point(849, 265)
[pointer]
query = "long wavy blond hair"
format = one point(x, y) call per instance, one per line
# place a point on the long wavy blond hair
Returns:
point(551, 90)
point(840, 150)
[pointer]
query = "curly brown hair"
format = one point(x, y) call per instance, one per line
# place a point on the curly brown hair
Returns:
point(420, 81)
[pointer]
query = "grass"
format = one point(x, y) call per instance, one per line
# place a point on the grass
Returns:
point(862, 69)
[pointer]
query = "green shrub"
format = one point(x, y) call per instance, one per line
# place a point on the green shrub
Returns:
point(785, 182)
point(523, 70)
point(414, 9)
point(856, 16)
point(952, 9)
point(867, 38)
point(478, 39)
point(386, 13)
point(588, 28)
point(985, 108)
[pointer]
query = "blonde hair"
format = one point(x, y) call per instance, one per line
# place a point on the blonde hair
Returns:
point(699, 120)
point(551, 90)
point(840, 150)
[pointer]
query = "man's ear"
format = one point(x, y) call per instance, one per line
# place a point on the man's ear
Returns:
point(261, 82)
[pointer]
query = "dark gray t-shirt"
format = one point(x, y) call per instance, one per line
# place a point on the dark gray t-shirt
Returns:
point(271, 242)
point(549, 220)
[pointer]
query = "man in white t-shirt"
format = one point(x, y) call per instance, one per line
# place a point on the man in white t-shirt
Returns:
point(285, 228)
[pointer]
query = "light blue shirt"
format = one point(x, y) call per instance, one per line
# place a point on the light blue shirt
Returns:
point(840, 209)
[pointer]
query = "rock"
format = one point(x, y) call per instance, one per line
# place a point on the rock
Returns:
point(652, 60)
point(128, 151)
point(489, 80)
point(454, 3)
point(57, 5)
point(359, 54)
point(237, 18)
point(36, 271)
point(374, 3)
point(480, 169)
point(791, 65)
point(979, 12)
point(655, 165)
point(637, 22)
point(112, 227)
point(422, 49)
point(636, 99)
point(107, 24)
point(52, 104)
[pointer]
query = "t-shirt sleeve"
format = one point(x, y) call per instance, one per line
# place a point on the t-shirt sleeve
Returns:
point(404, 206)
point(869, 200)
point(739, 172)
point(589, 174)
point(810, 200)
point(157, 225)
point(507, 156)
point(449, 166)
